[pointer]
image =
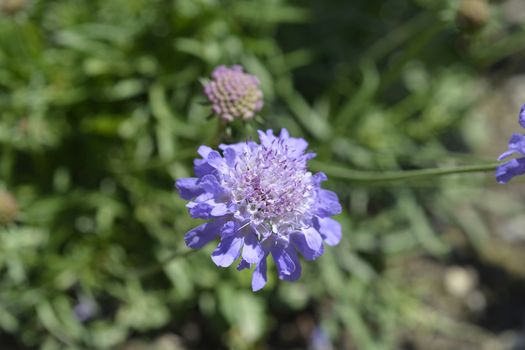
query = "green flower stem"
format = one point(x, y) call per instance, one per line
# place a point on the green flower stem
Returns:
point(343, 173)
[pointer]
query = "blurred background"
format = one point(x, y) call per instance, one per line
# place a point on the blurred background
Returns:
point(101, 110)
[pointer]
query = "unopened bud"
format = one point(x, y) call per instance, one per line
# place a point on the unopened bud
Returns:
point(234, 94)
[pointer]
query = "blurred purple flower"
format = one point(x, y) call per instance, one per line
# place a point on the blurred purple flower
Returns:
point(233, 93)
point(85, 308)
point(319, 340)
point(514, 167)
point(260, 199)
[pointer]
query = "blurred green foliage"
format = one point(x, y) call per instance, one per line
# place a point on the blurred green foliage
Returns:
point(101, 110)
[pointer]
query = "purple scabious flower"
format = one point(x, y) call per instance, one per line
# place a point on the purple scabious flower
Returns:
point(514, 167)
point(233, 93)
point(261, 200)
point(85, 308)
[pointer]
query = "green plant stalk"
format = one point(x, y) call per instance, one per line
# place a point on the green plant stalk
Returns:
point(343, 173)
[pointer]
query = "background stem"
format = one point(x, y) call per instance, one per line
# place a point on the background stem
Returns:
point(340, 172)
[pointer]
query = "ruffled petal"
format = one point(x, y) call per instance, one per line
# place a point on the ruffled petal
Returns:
point(297, 147)
point(229, 229)
point(230, 156)
point(201, 235)
point(203, 151)
point(309, 243)
point(266, 138)
point(285, 263)
point(201, 168)
point(328, 203)
point(516, 145)
point(310, 155)
point(204, 207)
point(284, 134)
point(297, 272)
point(227, 251)
point(200, 210)
point(188, 188)
point(506, 154)
point(252, 251)
point(508, 170)
point(210, 184)
point(259, 278)
point(216, 161)
point(329, 229)
point(238, 148)
point(220, 209)
point(319, 177)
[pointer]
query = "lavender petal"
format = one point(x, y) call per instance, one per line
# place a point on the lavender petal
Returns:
point(227, 251)
point(201, 235)
point(252, 251)
point(508, 170)
point(329, 229)
point(259, 278)
point(188, 188)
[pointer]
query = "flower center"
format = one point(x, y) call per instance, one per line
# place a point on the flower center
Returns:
point(272, 188)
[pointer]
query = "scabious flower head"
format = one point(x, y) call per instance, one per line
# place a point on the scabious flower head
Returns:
point(513, 167)
point(233, 93)
point(261, 200)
